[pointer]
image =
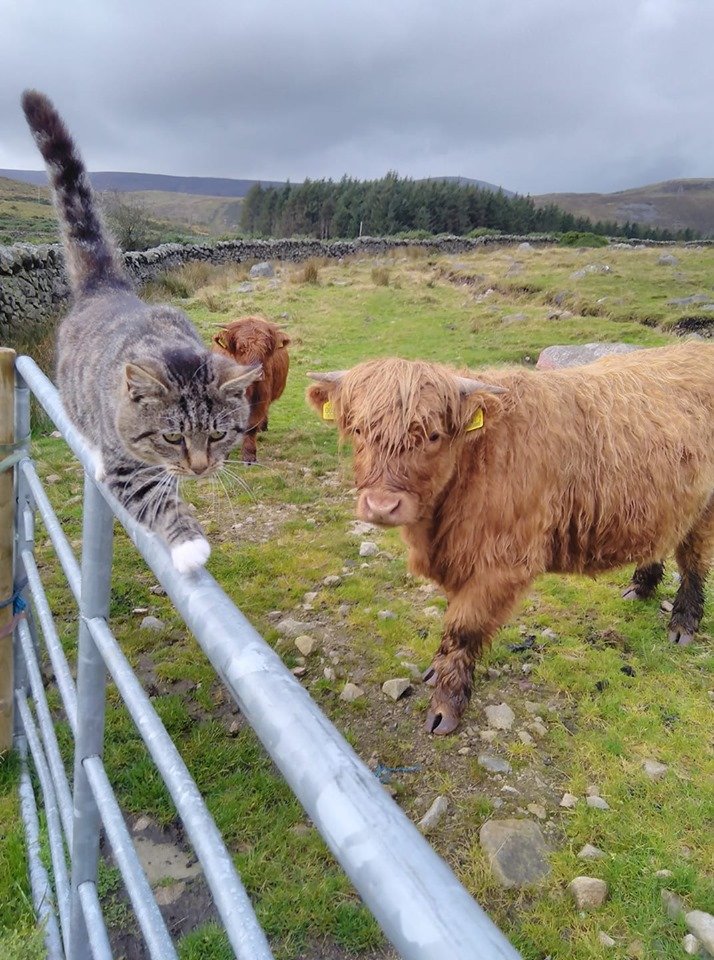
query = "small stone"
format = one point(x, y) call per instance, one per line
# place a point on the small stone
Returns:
point(434, 814)
point(386, 615)
point(264, 269)
point(290, 627)
point(158, 590)
point(351, 692)
point(343, 609)
point(329, 674)
point(492, 673)
point(525, 737)
point(666, 606)
point(358, 528)
point(368, 548)
point(516, 850)
point(589, 852)
point(568, 800)
point(667, 260)
point(464, 751)
point(432, 611)
point(333, 580)
point(396, 688)
point(538, 728)
point(664, 874)
point(500, 717)
point(413, 670)
point(701, 924)
point(636, 949)
point(493, 764)
point(597, 803)
point(673, 905)
point(143, 823)
point(533, 708)
point(588, 892)
point(274, 615)
point(488, 736)
point(152, 623)
point(511, 791)
point(234, 728)
point(53, 478)
point(593, 790)
point(139, 610)
point(690, 945)
point(305, 644)
point(654, 769)
point(310, 597)
point(301, 829)
point(537, 809)
point(299, 671)
point(549, 634)
point(605, 940)
point(56, 434)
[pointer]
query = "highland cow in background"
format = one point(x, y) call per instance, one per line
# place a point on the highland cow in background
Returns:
point(250, 340)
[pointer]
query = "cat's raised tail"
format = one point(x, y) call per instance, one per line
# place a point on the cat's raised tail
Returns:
point(93, 261)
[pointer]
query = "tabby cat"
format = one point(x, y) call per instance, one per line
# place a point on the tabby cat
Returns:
point(152, 402)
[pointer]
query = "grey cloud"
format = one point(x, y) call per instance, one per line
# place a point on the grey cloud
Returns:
point(538, 96)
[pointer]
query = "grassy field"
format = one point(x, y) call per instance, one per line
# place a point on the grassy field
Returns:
point(607, 688)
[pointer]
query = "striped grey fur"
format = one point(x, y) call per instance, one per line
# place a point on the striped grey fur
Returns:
point(135, 378)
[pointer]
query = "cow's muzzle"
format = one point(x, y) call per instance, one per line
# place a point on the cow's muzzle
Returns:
point(386, 507)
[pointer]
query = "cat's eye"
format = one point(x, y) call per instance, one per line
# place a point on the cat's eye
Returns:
point(216, 435)
point(173, 437)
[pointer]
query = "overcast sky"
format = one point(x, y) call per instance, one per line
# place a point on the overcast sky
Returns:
point(535, 95)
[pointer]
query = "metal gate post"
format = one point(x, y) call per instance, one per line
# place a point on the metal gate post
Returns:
point(91, 681)
point(24, 522)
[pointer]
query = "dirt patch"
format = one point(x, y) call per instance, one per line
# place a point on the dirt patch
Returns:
point(702, 324)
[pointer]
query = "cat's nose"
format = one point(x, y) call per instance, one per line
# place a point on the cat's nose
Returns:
point(199, 466)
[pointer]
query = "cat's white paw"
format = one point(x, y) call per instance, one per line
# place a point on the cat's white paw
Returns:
point(100, 474)
point(190, 555)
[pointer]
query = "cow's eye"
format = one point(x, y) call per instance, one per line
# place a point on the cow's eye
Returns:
point(433, 437)
point(357, 432)
point(173, 437)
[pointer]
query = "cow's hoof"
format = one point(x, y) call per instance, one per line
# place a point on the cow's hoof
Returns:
point(442, 719)
point(681, 636)
point(429, 677)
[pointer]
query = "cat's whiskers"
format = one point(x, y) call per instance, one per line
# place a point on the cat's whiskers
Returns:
point(237, 479)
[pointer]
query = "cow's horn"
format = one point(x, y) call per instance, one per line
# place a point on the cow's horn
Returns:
point(467, 386)
point(332, 376)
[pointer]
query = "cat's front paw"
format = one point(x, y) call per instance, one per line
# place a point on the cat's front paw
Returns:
point(190, 555)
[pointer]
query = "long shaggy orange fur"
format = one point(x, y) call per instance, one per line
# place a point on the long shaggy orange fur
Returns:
point(574, 470)
point(257, 340)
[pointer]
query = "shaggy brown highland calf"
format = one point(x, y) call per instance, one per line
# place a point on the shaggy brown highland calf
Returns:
point(498, 480)
point(256, 340)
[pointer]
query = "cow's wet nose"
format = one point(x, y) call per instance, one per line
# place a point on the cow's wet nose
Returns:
point(380, 507)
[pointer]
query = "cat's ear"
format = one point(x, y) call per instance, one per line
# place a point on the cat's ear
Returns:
point(236, 385)
point(142, 384)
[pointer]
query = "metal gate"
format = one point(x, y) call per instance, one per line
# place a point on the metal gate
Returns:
point(416, 899)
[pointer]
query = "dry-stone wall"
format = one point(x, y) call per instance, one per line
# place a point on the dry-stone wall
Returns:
point(33, 284)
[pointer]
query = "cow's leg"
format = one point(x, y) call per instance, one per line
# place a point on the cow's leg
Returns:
point(249, 448)
point(694, 558)
point(645, 581)
point(264, 425)
point(474, 615)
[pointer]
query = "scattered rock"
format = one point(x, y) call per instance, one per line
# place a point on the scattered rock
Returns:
point(434, 814)
point(413, 669)
point(636, 949)
point(701, 924)
point(305, 644)
point(152, 623)
point(597, 803)
point(605, 940)
point(568, 800)
point(690, 945)
point(351, 692)
point(488, 736)
point(591, 268)
point(368, 548)
point(264, 269)
point(592, 790)
point(549, 634)
point(538, 728)
point(524, 246)
point(432, 611)
point(234, 728)
point(666, 606)
point(358, 528)
point(56, 434)
point(143, 823)
point(165, 896)
point(654, 769)
point(396, 688)
point(464, 751)
point(290, 627)
point(493, 764)
point(343, 609)
point(158, 590)
point(689, 301)
point(525, 737)
point(299, 671)
point(588, 892)
point(673, 905)
point(500, 717)
point(329, 673)
point(589, 852)
point(53, 478)
point(537, 809)
point(513, 318)
point(274, 615)
point(516, 850)
point(667, 260)
point(386, 615)
point(533, 708)
point(333, 580)
point(664, 874)
point(574, 356)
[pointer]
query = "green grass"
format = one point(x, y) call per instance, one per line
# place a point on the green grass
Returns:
point(601, 722)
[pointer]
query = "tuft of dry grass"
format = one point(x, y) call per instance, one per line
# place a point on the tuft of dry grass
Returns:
point(380, 276)
point(310, 273)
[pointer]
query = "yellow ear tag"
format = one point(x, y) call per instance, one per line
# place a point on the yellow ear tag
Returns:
point(477, 421)
point(328, 411)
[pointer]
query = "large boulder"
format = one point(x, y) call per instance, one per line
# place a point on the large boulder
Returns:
point(553, 358)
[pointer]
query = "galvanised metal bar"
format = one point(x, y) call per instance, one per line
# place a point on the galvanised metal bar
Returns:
point(24, 528)
point(97, 532)
point(63, 676)
point(54, 827)
point(47, 731)
point(417, 900)
point(147, 911)
point(64, 551)
point(39, 880)
point(244, 932)
point(94, 921)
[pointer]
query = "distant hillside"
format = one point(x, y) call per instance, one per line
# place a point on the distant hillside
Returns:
point(26, 213)
point(470, 182)
point(215, 216)
point(672, 205)
point(133, 182)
